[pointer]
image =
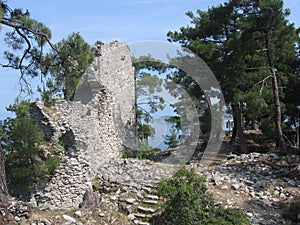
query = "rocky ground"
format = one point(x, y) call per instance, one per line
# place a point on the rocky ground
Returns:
point(266, 187)
point(263, 185)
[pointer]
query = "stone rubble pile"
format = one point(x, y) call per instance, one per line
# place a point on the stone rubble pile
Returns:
point(260, 184)
point(134, 173)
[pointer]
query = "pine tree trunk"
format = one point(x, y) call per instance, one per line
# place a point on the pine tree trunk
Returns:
point(234, 129)
point(239, 127)
point(298, 137)
point(279, 134)
point(3, 186)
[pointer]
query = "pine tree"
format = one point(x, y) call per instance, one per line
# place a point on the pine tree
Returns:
point(247, 44)
point(172, 139)
point(66, 65)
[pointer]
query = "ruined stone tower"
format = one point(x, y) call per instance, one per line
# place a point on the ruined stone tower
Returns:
point(93, 129)
point(113, 70)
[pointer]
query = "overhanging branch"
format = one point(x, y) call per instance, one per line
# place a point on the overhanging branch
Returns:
point(19, 25)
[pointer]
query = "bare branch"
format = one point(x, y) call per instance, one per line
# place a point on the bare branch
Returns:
point(262, 82)
point(255, 68)
point(261, 50)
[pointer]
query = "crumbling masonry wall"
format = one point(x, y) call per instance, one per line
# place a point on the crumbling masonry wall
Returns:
point(92, 130)
point(112, 68)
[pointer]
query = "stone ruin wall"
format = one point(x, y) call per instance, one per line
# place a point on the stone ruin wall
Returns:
point(85, 137)
point(113, 70)
point(91, 132)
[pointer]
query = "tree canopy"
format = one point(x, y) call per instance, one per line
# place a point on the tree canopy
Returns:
point(28, 44)
point(27, 165)
point(26, 40)
point(251, 48)
point(65, 66)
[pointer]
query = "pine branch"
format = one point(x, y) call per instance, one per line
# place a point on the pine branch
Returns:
point(19, 25)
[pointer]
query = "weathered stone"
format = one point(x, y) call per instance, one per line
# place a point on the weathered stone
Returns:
point(235, 186)
point(131, 217)
point(17, 219)
point(94, 128)
point(269, 222)
point(90, 200)
point(153, 197)
point(150, 202)
point(46, 222)
point(101, 214)
point(78, 213)
point(224, 187)
point(130, 200)
point(141, 222)
point(292, 183)
point(69, 218)
point(249, 214)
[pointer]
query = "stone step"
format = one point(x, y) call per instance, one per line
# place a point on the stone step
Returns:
point(152, 197)
point(149, 185)
point(146, 210)
point(139, 222)
point(142, 215)
point(147, 189)
point(150, 202)
point(130, 200)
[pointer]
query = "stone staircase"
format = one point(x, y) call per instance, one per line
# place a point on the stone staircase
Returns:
point(141, 208)
point(139, 203)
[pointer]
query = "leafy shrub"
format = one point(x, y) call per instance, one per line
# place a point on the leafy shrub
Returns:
point(144, 150)
point(189, 203)
point(65, 66)
point(172, 140)
point(49, 166)
point(268, 128)
point(26, 168)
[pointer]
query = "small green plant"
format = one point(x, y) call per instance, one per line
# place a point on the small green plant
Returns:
point(126, 155)
point(48, 167)
point(189, 203)
point(26, 167)
point(172, 140)
point(144, 150)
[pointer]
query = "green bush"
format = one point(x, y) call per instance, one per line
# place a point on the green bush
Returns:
point(268, 128)
point(144, 150)
point(26, 167)
point(172, 140)
point(48, 167)
point(188, 203)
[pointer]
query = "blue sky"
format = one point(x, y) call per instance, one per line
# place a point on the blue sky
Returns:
point(126, 20)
